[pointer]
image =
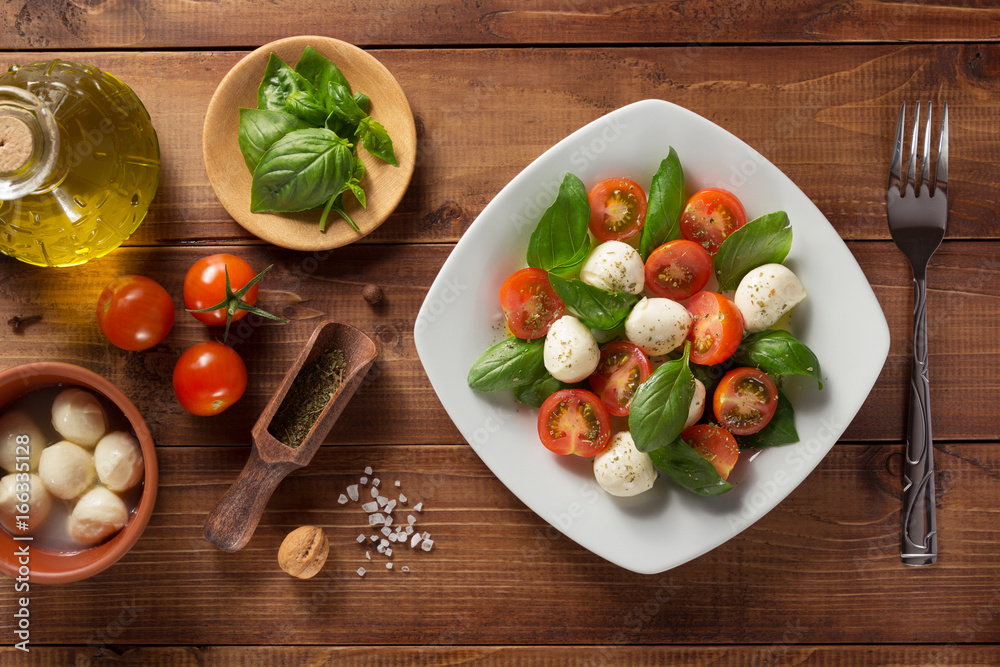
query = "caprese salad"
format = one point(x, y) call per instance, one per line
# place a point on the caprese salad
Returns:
point(649, 331)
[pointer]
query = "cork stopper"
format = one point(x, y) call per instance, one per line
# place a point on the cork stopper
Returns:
point(16, 144)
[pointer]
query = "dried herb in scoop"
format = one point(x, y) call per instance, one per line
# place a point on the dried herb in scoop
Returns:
point(306, 398)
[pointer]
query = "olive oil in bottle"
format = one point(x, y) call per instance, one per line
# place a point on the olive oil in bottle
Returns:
point(79, 163)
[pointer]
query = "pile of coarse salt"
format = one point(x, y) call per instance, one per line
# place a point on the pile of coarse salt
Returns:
point(380, 515)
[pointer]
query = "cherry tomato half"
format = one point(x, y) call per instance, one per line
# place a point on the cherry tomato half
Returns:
point(135, 312)
point(678, 269)
point(208, 378)
point(715, 444)
point(529, 303)
point(617, 209)
point(622, 368)
point(710, 216)
point(717, 328)
point(574, 421)
point(745, 400)
point(205, 286)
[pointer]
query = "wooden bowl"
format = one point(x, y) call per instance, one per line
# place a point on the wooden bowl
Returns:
point(384, 184)
point(51, 567)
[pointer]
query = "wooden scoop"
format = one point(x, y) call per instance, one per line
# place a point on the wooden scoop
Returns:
point(232, 522)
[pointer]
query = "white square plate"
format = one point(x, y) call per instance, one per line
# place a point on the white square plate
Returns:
point(841, 321)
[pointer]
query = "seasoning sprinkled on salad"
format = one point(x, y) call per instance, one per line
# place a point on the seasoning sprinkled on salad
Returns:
point(689, 296)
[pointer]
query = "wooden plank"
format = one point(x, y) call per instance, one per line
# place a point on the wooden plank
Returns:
point(964, 326)
point(785, 653)
point(160, 23)
point(823, 566)
point(824, 116)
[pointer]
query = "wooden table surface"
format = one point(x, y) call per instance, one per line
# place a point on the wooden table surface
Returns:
point(814, 85)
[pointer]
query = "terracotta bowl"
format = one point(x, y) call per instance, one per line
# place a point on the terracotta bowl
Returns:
point(50, 567)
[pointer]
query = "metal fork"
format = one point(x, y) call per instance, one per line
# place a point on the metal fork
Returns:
point(918, 218)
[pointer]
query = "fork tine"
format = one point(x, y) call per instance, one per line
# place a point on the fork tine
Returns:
point(897, 151)
point(911, 167)
point(925, 161)
point(941, 169)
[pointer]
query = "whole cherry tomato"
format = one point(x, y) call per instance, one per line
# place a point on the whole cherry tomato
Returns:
point(135, 312)
point(222, 289)
point(208, 378)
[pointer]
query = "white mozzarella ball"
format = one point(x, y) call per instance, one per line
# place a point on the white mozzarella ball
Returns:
point(767, 293)
point(571, 352)
point(16, 427)
point(658, 326)
point(79, 417)
point(622, 470)
point(98, 515)
point(39, 504)
point(616, 267)
point(697, 408)
point(118, 459)
point(66, 469)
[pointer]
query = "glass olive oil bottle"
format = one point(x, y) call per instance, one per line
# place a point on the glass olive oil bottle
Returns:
point(79, 163)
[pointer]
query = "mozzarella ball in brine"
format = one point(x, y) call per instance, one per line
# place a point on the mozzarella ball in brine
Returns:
point(616, 267)
point(98, 515)
point(79, 417)
point(39, 503)
point(767, 293)
point(657, 325)
point(622, 470)
point(66, 469)
point(21, 438)
point(571, 352)
point(118, 460)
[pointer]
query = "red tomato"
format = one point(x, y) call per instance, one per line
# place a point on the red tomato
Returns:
point(205, 286)
point(574, 421)
point(529, 303)
point(622, 368)
point(745, 400)
point(710, 216)
point(209, 378)
point(715, 444)
point(678, 269)
point(717, 328)
point(617, 209)
point(135, 312)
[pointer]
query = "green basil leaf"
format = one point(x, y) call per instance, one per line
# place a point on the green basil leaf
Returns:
point(318, 70)
point(260, 128)
point(664, 205)
point(534, 394)
point(342, 104)
point(596, 308)
point(765, 240)
point(778, 352)
point(561, 241)
point(779, 431)
point(301, 171)
point(508, 364)
point(307, 107)
point(689, 469)
point(278, 83)
point(363, 101)
point(661, 404)
point(376, 140)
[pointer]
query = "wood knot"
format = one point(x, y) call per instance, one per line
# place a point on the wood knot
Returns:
point(444, 214)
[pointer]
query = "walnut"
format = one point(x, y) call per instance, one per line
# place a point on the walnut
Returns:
point(303, 552)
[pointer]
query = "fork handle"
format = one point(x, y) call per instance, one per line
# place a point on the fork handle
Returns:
point(919, 543)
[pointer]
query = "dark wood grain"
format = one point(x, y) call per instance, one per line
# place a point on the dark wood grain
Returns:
point(963, 321)
point(699, 23)
point(824, 565)
point(782, 653)
point(825, 116)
